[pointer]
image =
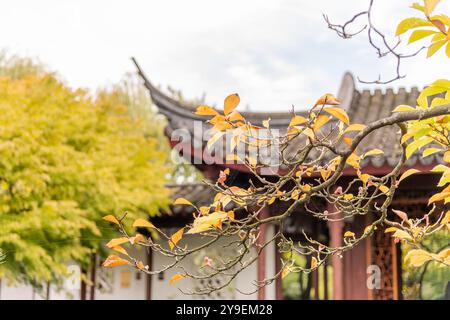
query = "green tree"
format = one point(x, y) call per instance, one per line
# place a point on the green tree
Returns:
point(67, 158)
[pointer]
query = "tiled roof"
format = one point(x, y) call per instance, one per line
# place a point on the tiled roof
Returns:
point(362, 106)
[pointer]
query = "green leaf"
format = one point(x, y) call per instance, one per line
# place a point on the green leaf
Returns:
point(417, 144)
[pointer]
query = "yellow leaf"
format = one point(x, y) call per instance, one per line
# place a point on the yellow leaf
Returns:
point(390, 229)
point(348, 196)
point(175, 238)
point(444, 254)
point(447, 50)
point(320, 122)
point(410, 23)
point(285, 272)
point(355, 127)
point(266, 123)
point(117, 242)
point(309, 133)
point(383, 188)
point(349, 234)
point(140, 265)
point(142, 223)
point(111, 218)
point(338, 113)
point(420, 34)
point(429, 151)
point(296, 120)
point(417, 257)
point(176, 278)
point(182, 201)
point(206, 111)
point(114, 261)
point(429, 6)
point(407, 173)
point(252, 161)
point(401, 234)
point(403, 108)
point(230, 103)
point(438, 197)
point(235, 116)
point(313, 263)
point(373, 152)
point(446, 218)
point(138, 237)
point(328, 99)
point(199, 228)
point(353, 160)
point(435, 47)
point(367, 229)
point(120, 249)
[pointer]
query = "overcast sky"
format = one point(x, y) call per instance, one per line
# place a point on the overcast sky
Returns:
point(274, 53)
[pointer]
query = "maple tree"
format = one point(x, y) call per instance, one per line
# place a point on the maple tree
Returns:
point(67, 159)
point(326, 143)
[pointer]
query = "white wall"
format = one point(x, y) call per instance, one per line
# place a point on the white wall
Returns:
point(161, 289)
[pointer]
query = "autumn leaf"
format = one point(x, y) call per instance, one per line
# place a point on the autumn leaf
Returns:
point(407, 173)
point(349, 234)
point(390, 229)
point(411, 23)
point(117, 242)
point(285, 272)
point(114, 261)
point(338, 113)
point(320, 121)
point(297, 120)
point(142, 223)
point(401, 214)
point(313, 263)
point(175, 238)
point(417, 257)
point(120, 249)
point(205, 111)
point(138, 237)
point(140, 265)
point(403, 108)
point(111, 218)
point(181, 201)
point(176, 278)
point(373, 152)
point(230, 103)
point(355, 127)
point(328, 99)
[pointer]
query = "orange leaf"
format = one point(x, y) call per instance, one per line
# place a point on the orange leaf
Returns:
point(407, 173)
point(117, 242)
point(230, 103)
point(206, 111)
point(328, 99)
point(175, 238)
point(114, 261)
point(338, 113)
point(182, 201)
point(120, 249)
point(296, 120)
point(111, 218)
point(176, 278)
point(349, 234)
point(142, 223)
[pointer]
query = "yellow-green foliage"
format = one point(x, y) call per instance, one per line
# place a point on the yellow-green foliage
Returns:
point(66, 160)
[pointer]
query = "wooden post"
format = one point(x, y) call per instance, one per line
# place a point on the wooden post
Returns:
point(325, 281)
point(335, 229)
point(149, 277)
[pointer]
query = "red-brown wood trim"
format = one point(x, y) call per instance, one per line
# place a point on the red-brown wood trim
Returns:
point(335, 229)
point(193, 154)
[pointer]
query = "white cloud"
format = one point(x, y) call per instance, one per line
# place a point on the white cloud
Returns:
point(274, 53)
